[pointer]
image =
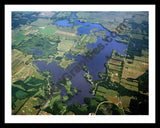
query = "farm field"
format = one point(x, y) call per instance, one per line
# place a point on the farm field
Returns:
point(66, 33)
point(22, 67)
point(134, 70)
point(130, 81)
point(123, 77)
point(115, 66)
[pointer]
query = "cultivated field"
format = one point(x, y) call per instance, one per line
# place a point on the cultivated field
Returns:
point(66, 33)
point(135, 69)
point(130, 73)
point(22, 67)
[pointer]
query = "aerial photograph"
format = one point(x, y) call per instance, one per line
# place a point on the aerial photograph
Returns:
point(80, 63)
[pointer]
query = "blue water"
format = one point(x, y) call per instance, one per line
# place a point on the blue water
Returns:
point(64, 23)
point(94, 66)
point(73, 15)
point(85, 29)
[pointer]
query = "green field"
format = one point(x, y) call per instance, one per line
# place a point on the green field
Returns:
point(18, 38)
point(48, 31)
point(41, 22)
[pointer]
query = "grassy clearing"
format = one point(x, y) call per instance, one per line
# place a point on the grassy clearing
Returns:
point(51, 26)
point(18, 38)
point(41, 22)
point(48, 31)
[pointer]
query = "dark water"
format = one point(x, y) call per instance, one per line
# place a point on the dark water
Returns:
point(94, 66)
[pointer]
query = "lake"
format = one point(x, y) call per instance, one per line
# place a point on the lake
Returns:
point(64, 23)
point(94, 66)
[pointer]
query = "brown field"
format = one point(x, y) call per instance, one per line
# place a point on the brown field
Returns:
point(44, 113)
point(113, 99)
point(131, 73)
point(115, 78)
point(114, 67)
point(27, 27)
point(115, 62)
point(66, 33)
point(28, 32)
point(134, 70)
point(118, 58)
